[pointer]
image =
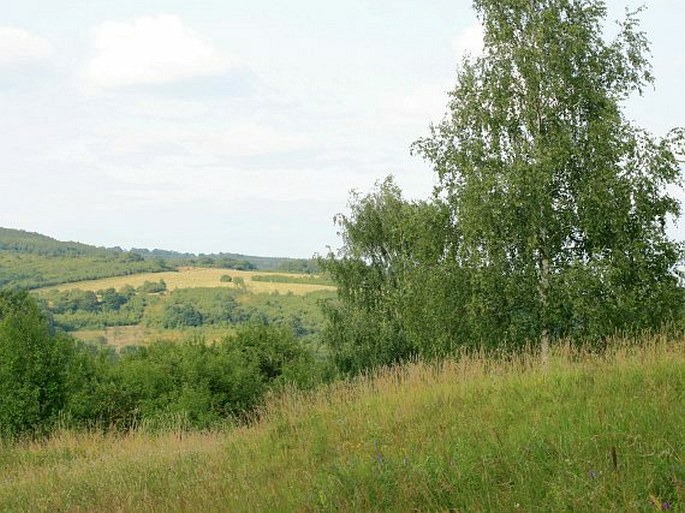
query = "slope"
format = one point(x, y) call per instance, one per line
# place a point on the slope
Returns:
point(585, 431)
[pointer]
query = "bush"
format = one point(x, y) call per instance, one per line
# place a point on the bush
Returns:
point(199, 383)
point(46, 377)
point(33, 367)
point(178, 315)
point(152, 287)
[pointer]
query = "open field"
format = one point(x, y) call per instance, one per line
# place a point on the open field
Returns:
point(194, 277)
point(123, 336)
point(581, 432)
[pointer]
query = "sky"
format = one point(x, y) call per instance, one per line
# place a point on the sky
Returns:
point(234, 126)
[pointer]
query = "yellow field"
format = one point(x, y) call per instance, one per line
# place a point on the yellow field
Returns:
point(189, 277)
point(123, 336)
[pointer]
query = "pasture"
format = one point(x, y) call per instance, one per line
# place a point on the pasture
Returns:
point(200, 277)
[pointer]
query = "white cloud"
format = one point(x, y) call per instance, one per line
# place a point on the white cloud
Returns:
point(147, 154)
point(18, 46)
point(250, 138)
point(177, 179)
point(243, 138)
point(169, 109)
point(470, 41)
point(415, 110)
point(151, 50)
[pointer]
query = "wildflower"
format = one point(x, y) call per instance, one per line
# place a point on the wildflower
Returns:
point(659, 504)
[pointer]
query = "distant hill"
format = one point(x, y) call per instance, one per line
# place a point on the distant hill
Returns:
point(20, 241)
point(231, 261)
point(32, 260)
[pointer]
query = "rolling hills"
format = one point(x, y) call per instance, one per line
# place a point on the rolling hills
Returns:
point(131, 297)
point(31, 260)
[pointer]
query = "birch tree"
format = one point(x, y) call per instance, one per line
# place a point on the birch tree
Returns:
point(560, 203)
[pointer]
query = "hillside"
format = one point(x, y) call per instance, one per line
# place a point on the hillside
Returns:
point(31, 260)
point(137, 309)
point(23, 242)
point(582, 432)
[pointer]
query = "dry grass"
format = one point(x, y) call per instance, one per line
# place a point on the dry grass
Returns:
point(471, 434)
point(139, 335)
point(192, 277)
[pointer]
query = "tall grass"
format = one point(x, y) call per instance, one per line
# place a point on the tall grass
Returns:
point(581, 431)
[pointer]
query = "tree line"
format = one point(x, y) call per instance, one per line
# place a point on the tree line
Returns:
point(76, 309)
point(549, 218)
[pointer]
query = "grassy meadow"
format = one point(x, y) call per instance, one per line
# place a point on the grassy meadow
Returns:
point(200, 277)
point(581, 431)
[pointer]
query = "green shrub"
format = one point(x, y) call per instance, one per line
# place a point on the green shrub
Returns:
point(177, 315)
point(152, 287)
point(33, 367)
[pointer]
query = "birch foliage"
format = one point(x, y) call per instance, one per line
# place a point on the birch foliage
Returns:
point(560, 203)
point(550, 216)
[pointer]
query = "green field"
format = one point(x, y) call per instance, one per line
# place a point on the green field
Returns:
point(580, 432)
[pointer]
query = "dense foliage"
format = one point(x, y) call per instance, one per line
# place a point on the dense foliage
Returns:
point(397, 296)
point(549, 220)
point(34, 367)
point(30, 260)
point(20, 241)
point(47, 377)
point(235, 307)
point(75, 309)
point(191, 384)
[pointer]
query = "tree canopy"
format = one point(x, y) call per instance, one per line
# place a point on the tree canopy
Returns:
point(557, 203)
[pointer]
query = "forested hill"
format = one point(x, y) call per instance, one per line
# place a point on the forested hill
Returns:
point(232, 261)
point(20, 241)
point(31, 260)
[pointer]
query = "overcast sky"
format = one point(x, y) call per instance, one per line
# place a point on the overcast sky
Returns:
point(226, 125)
